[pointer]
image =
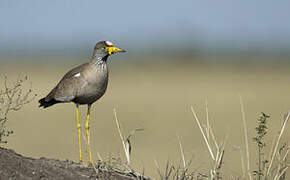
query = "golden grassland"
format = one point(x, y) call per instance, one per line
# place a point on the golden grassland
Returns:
point(156, 97)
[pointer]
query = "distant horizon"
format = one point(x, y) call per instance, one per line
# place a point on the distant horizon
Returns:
point(63, 49)
point(209, 26)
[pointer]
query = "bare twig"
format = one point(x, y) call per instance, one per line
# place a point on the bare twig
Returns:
point(126, 150)
point(242, 162)
point(246, 136)
point(277, 142)
point(181, 152)
point(214, 139)
point(158, 168)
point(282, 172)
point(12, 98)
point(203, 134)
point(207, 118)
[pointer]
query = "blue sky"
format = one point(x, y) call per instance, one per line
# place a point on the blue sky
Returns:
point(37, 23)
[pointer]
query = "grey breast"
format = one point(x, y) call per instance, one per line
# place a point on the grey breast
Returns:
point(83, 85)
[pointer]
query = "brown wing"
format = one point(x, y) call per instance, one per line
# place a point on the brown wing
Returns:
point(68, 86)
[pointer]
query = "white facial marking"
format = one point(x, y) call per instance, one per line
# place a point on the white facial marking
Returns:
point(109, 43)
point(77, 75)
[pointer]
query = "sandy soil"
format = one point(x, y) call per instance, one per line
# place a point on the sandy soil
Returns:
point(15, 166)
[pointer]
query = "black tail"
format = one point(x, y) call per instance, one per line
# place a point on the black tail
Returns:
point(45, 104)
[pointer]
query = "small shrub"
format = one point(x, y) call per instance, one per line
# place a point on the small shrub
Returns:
point(12, 98)
point(261, 131)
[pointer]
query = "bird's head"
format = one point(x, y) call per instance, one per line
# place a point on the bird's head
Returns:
point(105, 48)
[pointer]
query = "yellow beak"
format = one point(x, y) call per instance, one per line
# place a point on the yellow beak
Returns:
point(113, 49)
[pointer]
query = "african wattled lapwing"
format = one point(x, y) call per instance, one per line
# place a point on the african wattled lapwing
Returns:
point(84, 84)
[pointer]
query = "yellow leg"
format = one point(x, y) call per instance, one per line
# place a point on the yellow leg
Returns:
point(88, 134)
point(79, 133)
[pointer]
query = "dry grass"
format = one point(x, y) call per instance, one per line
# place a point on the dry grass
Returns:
point(217, 158)
point(215, 172)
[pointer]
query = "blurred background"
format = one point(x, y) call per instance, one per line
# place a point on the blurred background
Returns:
point(179, 54)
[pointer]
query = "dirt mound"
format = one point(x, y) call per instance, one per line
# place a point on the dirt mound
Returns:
point(14, 166)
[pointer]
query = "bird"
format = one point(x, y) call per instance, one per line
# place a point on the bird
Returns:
point(84, 85)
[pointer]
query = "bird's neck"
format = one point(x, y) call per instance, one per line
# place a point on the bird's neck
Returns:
point(100, 61)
